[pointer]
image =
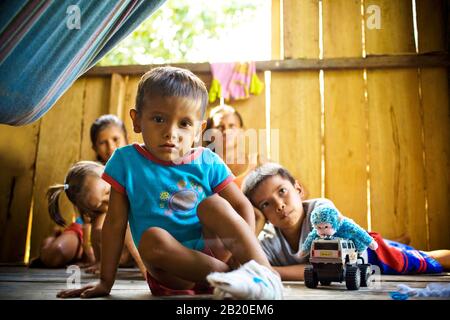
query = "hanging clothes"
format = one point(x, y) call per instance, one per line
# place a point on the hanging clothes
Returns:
point(46, 45)
point(234, 81)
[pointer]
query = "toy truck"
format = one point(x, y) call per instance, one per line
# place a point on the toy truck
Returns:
point(336, 260)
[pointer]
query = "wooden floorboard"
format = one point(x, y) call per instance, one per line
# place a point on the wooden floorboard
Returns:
point(18, 282)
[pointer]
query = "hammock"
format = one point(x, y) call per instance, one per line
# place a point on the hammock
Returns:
point(46, 45)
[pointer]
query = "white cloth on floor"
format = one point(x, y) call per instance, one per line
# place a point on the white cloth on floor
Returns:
point(251, 281)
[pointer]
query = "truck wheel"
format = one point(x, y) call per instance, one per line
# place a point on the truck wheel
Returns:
point(310, 278)
point(352, 277)
point(366, 272)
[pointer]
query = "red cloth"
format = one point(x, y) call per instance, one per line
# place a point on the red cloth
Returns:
point(387, 254)
point(398, 258)
point(158, 289)
point(77, 228)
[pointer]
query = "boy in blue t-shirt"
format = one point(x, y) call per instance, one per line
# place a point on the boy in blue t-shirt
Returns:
point(185, 214)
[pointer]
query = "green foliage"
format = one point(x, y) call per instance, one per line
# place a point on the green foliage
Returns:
point(180, 30)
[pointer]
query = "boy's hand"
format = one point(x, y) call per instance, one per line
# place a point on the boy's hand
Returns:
point(88, 259)
point(260, 220)
point(89, 291)
point(93, 269)
point(373, 245)
point(84, 264)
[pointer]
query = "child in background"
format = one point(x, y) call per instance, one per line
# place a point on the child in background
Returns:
point(107, 133)
point(89, 194)
point(229, 122)
point(273, 190)
point(183, 210)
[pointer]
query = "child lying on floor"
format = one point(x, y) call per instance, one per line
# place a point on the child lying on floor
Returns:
point(278, 196)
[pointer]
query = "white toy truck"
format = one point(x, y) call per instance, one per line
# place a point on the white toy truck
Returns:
point(336, 260)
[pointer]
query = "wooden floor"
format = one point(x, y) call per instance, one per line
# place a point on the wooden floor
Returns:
point(23, 283)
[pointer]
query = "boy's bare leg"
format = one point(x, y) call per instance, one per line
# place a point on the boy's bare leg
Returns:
point(218, 216)
point(441, 256)
point(255, 279)
point(216, 246)
point(172, 264)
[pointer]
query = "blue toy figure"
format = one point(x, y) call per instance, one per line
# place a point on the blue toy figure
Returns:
point(327, 224)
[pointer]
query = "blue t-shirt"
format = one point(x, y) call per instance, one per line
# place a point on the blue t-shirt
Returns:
point(166, 194)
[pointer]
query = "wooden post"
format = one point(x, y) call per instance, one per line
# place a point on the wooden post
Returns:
point(18, 156)
point(96, 103)
point(276, 29)
point(301, 29)
point(254, 117)
point(117, 94)
point(396, 33)
point(295, 98)
point(395, 130)
point(345, 112)
point(431, 26)
point(436, 118)
point(58, 148)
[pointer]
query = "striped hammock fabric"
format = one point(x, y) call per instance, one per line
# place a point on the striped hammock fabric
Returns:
point(45, 45)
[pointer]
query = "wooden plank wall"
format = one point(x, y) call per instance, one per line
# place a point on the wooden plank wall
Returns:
point(375, 142)
point(38, 155)
point(345, 130)
point(58, 147)
point(18, 146)
point(380, 166)
point(295, 98)
point(64, 139)
point(435, 112)
point(397, 177)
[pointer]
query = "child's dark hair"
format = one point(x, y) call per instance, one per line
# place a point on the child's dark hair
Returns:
point(171, 82)
point(216, 112)
point(260, 174)
point(73, 186)
point(103, 122)
point(220, 111)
